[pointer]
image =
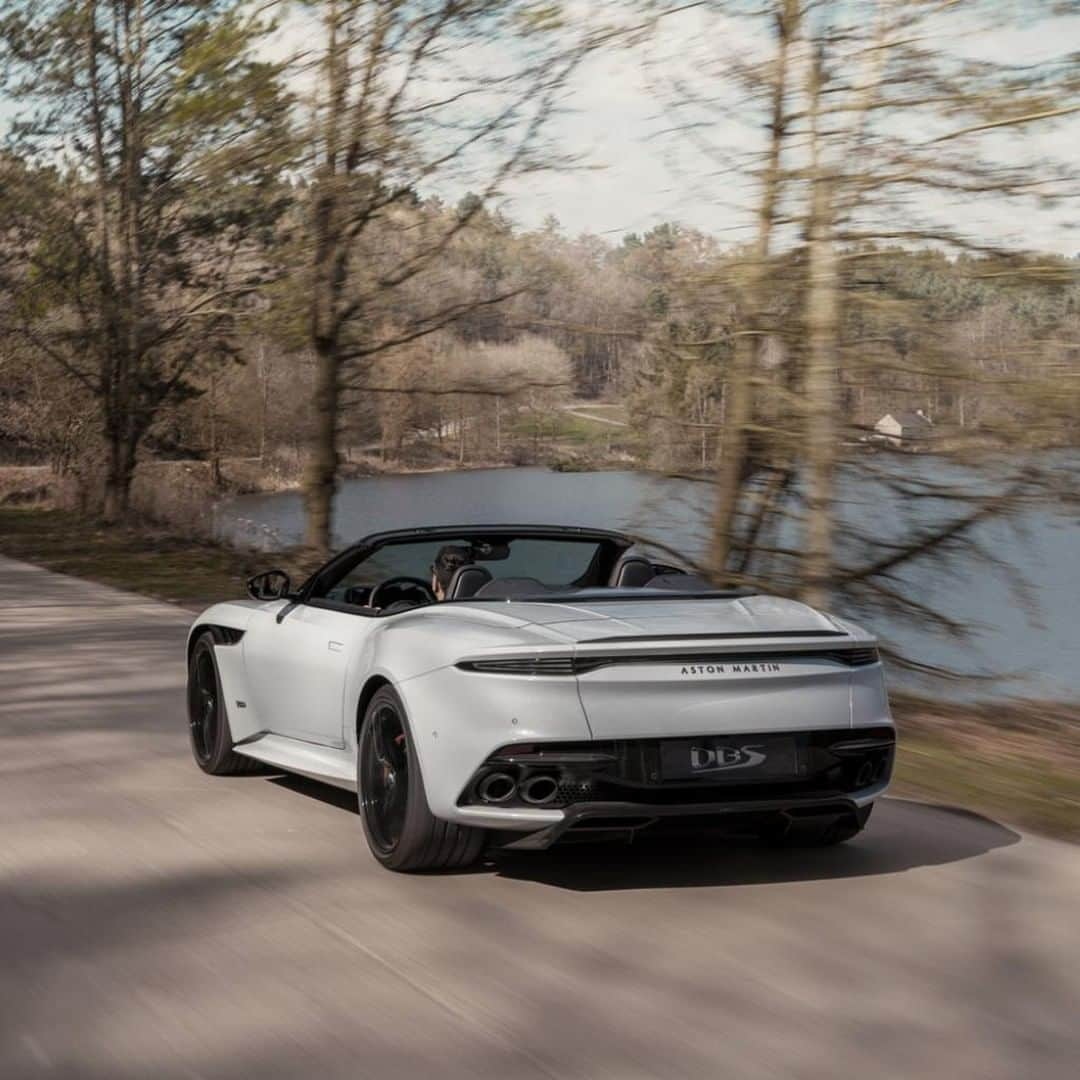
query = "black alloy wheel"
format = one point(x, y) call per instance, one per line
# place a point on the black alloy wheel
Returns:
point(401, 830)
point(384, 778)
point(208, 718)
point(203, 705)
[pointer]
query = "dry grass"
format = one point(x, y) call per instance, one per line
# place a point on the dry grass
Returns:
point(22, 485)
point(142, 559)
point(1019, 760)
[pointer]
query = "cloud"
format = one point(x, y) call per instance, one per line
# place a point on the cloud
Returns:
point(644, 173)
point(635, 171)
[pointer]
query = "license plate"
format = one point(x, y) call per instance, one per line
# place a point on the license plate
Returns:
point(722, 758)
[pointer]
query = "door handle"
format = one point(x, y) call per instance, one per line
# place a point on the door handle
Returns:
point(335, 646)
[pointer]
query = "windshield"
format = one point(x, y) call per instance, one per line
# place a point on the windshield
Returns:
point(555, 562)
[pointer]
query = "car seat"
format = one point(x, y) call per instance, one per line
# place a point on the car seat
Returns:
point(631, 572)
point(467, 581)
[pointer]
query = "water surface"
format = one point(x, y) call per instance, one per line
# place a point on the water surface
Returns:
point(1041, 651)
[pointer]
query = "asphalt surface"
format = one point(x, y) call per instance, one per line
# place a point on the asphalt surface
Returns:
point(155, 922)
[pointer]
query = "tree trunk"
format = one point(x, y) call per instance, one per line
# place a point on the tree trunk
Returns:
point(329, 278)
point(739, 403)
point(264, 399)
point(320, 477)
point(762, 506)
point(822, 310)
point(215, 453)
point(119, 472)
point(115, 500)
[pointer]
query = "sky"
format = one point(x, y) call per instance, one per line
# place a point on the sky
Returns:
point(642, 173)
point(634, 172)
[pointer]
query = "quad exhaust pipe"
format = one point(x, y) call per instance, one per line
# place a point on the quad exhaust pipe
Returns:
point(538, 790)
point(501, 787)
point(496, 787)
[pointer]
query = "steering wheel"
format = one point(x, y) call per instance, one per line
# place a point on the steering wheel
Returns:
point(407, 585)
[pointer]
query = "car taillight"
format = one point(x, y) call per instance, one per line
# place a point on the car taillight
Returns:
point(525, 665)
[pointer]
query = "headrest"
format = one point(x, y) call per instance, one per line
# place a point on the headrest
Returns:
point(466, 581)
point(631, 572)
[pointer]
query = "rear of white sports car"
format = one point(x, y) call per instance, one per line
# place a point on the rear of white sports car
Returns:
point(618, 717)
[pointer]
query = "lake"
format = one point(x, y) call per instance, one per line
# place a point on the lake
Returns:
point(1040, 652)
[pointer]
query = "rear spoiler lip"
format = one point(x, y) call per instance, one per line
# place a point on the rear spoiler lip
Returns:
point(700, 661)
point(668, 644)
point(727, 635)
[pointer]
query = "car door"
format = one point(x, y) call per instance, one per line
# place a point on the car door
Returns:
point(297, 657)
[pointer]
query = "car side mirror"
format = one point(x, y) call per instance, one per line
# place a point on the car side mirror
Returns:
point(269, 585)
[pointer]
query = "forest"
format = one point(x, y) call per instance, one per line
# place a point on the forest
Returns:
point(226, 267)
point(633, 333)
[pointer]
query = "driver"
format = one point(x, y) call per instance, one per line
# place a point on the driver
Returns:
point(450, 559)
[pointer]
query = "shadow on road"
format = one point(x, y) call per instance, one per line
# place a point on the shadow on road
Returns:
point(313, 789)
point(901, 836)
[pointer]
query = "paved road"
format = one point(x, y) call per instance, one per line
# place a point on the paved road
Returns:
point(155, 922)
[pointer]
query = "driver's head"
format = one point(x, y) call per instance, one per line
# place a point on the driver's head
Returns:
point(450, 558)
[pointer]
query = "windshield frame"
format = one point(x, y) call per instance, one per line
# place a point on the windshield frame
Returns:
point(610, 546)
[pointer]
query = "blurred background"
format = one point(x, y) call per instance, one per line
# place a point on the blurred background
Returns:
point(791, 287)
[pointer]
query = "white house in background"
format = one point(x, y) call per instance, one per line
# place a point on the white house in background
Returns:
point(902, 428)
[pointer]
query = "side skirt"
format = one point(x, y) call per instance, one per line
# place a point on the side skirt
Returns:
point(332, 766)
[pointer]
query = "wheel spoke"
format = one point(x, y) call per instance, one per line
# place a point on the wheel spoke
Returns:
point(384, 777)
point(379, 739)
point(203, 705)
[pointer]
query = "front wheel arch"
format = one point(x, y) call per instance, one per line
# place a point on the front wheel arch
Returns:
point(217, 756)
point(221, 635)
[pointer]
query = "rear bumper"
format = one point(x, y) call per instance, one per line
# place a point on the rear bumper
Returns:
point(600, 820)
point(600, 785)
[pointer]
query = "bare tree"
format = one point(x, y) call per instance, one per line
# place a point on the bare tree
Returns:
point(879, 119)
point(734, 467)
point(409, 94)
point(151, 138)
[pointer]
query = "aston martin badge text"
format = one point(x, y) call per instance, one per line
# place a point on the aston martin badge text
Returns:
point(730, 669)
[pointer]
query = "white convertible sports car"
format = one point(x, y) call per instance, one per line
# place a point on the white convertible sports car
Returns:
point(517, 686)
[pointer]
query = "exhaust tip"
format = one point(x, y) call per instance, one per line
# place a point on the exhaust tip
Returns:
point(496, 787)
point(539, 790)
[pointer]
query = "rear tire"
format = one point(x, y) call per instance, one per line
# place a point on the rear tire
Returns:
point(804, 834)
point(401, 831)
point(208, 721)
